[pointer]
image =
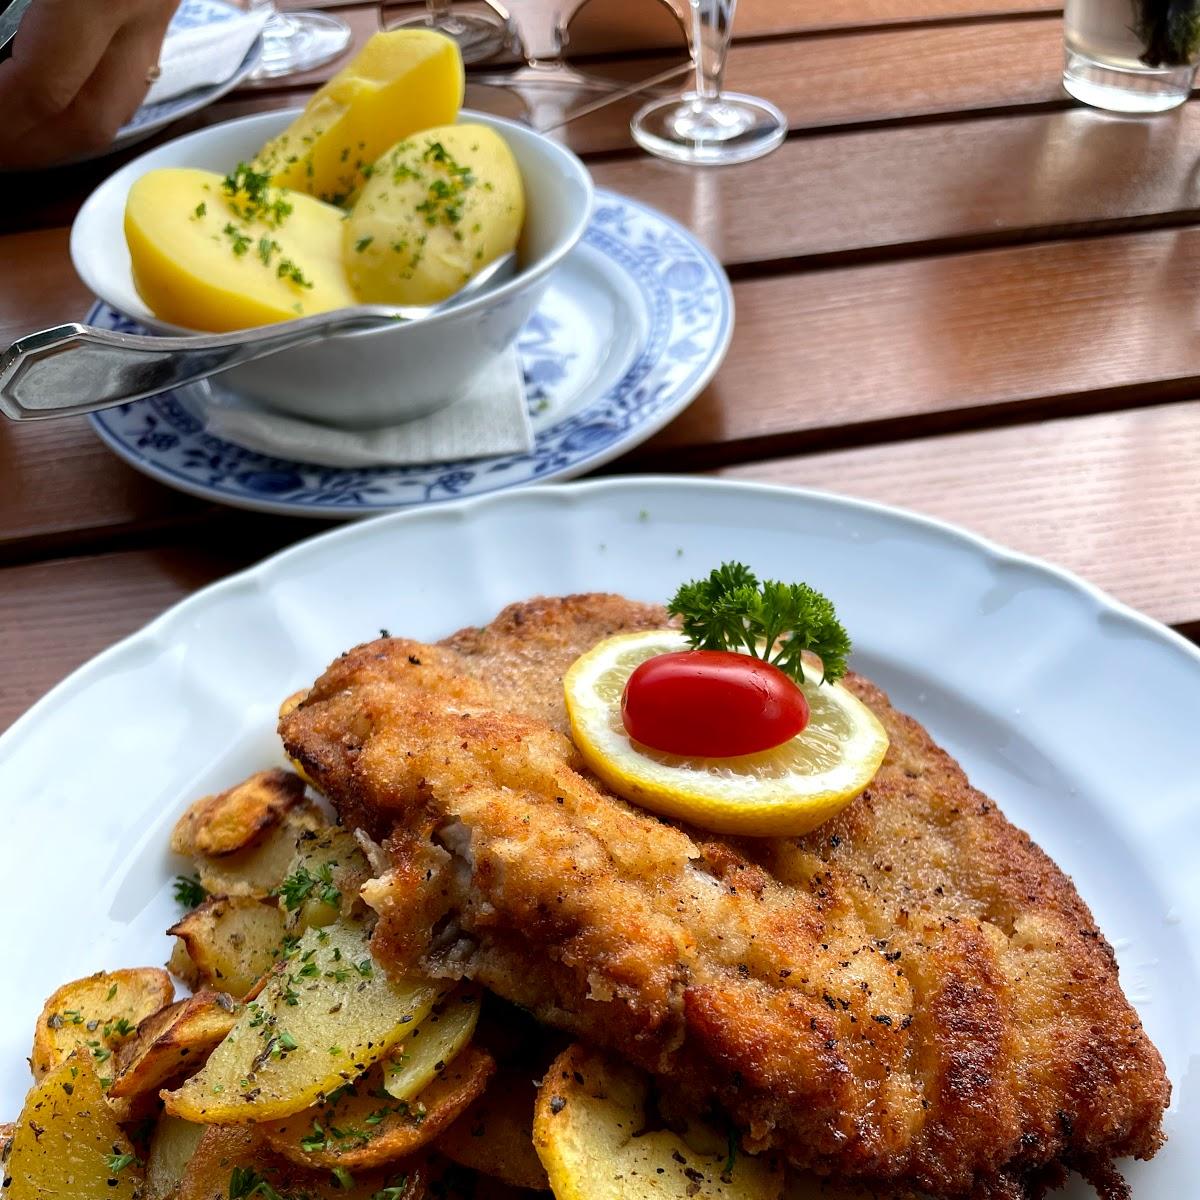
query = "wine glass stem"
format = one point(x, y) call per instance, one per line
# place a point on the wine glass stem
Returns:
point(439, 11)
point(712, 27)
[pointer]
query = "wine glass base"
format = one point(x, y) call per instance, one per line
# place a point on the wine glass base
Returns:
point(479, 35)
point(295, 42)
point(714, 133)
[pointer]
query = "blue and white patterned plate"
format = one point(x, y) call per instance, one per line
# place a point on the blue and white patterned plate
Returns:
point(633, 325)
point(152, 117)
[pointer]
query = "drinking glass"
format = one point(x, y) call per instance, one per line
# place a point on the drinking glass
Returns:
point(707, 126)
point(1131, 56)
point(298, 41)
point(479, 34)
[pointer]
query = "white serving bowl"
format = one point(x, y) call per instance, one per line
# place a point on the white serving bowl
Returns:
point(380, 377)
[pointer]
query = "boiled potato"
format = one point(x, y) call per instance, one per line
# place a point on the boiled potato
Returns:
point(589, 1109)
point(361, 1127)
point(232, 1161)
point(233, 819)
point(171, 1147)
point(434, 1043)
point(68, 1144)
point(438, 207)
point(398, 83)
point(319, 1023)
point(171, 1041)
point(211, 257)
point(96, 1015)
point(323, 879)
point(495, 1135)
point(231, 942)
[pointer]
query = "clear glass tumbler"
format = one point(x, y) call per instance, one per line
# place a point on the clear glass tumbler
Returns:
point(707, 126)
point(298, 41)
point(479, 35)
point(1131, 56)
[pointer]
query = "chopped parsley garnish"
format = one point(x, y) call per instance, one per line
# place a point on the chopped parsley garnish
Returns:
point(121, 1027)
point(238, 240)
point(363, 243)
point(118, 1162)
point(343, 1178)
point(188, 891)
point(777, 622)
point(302, 883)
point(251, 196)
point(112, 991)
point(288, 270)
point(245, 1182)
point(199, 210)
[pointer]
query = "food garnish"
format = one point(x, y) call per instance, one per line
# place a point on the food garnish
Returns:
point(738, 691)
point(777, 622)
point(789, 789)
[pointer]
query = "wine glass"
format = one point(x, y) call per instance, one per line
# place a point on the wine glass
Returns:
point(298, 41)
point(479, 34)
point(707, 126)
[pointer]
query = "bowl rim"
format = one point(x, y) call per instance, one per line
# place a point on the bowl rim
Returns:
point(524, 278)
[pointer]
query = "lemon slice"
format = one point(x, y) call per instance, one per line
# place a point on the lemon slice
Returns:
point(780, 792)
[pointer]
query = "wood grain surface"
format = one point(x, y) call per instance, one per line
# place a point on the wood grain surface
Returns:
point(956, 291)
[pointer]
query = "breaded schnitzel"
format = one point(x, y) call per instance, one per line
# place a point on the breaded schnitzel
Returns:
point(912, 995)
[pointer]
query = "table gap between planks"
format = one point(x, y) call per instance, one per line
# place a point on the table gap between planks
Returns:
point(956, 292)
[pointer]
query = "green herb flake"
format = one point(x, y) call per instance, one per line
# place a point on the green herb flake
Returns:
point(188, 891)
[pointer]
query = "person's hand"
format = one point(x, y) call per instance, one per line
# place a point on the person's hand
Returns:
point(78, 71)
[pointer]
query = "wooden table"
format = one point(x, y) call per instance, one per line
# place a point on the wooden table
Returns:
point(956, 291)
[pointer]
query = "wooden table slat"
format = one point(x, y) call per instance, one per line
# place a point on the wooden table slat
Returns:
point(1114, 497)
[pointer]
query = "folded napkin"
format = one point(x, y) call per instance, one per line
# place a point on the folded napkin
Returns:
point(202, 55)
point(490, 418)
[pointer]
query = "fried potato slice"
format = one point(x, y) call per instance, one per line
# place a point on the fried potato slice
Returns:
point(588, 1111)
point(321, 1021)
point(6, 1136)
point(172, 1145)
point(170, 1041)
point(234, 819)
point(232, 1160)
point(363, 1127)
point(433, 1044)
point(322, 880)
point(68, 1143)
point(231, 942)
point(260, 868)
point(495, 1135)
point(97, 1014)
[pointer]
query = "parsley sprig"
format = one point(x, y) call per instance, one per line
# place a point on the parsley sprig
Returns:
point(777, 622)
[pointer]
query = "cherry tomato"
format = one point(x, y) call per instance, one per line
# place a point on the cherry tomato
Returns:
point(711, 704)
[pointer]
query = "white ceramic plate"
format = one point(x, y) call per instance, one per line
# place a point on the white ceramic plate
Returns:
point(1071, 710)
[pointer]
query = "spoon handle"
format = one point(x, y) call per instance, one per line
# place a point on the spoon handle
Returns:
point(75, 368)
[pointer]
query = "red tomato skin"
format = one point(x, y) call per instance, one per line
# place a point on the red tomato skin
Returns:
point(711, 704)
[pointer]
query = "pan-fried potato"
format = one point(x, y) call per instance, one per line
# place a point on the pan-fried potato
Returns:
point(432, 1045)
point(68, 1142)
point(234, 819)
point(97, 1014)
point(323, 879)
point(169, 1042)
point(231, 1160)
point(6, 1137)
point(588, 1110)
point(171, 1147)
point(231, 941)
point(364, 1127)
point(495, 1135)
point(259, 869)
point(320, 1022)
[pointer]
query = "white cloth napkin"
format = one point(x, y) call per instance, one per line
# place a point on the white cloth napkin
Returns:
point(491, 418)
point(204, 54)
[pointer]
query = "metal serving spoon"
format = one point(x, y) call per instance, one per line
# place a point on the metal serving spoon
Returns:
point(75, 368)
